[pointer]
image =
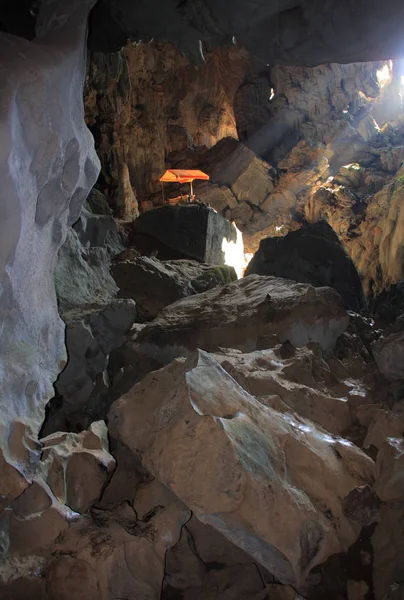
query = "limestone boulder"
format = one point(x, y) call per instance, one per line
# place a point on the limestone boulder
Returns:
point(350, 176)
point(220, 197)
point(235, 166)
point(97, 203)
point(154, 284)
point(301, 380)
point(191, 231)
point(82, 387)
point(242, 314)
point(77, 467)
point(312, 255)
point(273, 484)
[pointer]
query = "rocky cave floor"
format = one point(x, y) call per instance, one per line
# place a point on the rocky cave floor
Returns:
point(214, 437)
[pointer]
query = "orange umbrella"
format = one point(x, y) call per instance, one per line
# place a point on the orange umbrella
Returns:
point(183, 176)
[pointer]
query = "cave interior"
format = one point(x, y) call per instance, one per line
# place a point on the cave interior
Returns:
point(202, 380)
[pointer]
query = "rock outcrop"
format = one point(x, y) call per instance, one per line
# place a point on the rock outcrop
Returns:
point(47, 166)
point(82, 387)
point(82, 276)
point(312, 255)
point(191, 231)
point(154, 284)
point(244, 313)
point(301, 380)
point(59, 554)
point(204, 565)
point(196, 424)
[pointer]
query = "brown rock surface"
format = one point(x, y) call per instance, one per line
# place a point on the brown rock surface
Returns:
point(103, 555)
point(149, 100)
point(204, 565)
point(389, 484)
point(238, 315)
point(77, 466)
point(388, 547)
point(197, 425)
point(388, 351)
point(300, 380)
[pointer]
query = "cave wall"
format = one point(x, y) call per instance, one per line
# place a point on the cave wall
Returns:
point(149, 100)
point(314, 104)
point(47, 166)
point(299, 124)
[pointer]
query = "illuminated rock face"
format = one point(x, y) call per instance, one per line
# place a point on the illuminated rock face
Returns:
point(262, 478)
point(47, 167)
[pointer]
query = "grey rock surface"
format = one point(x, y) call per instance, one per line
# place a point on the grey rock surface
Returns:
point(312, 255)
point(241, 314)
point(82, 387)
point(47, 166)
point(154, 284)
point(98, 231)
point(192, 231)
point(97, 203)
point(82, 275)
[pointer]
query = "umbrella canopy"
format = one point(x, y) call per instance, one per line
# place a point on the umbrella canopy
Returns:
point(183, 175)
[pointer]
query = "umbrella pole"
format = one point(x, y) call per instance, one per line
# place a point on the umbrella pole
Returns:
point(162, 189)
point(192, 189)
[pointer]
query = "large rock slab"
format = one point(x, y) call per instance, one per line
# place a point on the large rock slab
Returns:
point(154, 284)
point(190, 231)
point(301, 380)
point(312, 255)
point(240, 181)
point(242, 314)
point(273, 484)
point(47, 166)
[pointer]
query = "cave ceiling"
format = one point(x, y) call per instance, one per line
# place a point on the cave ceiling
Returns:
point(282, 31)
point(308, 32)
